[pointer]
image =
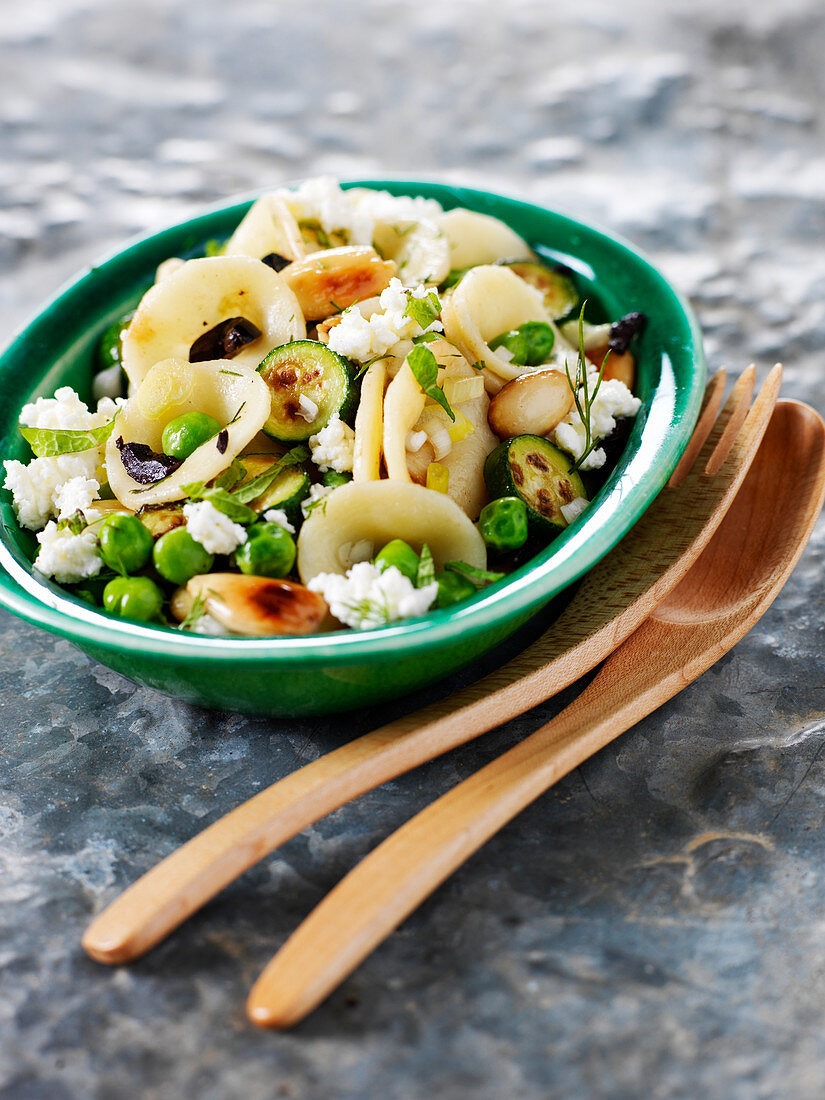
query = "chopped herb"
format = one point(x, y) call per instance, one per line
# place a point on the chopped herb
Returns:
point(196, 612)
point(407, 229)
point(336, 307)
point(51, 442)
point(236, 417)
point(428, 337)
point(261, 483)
point(214, 247)
point(425, 368)
point(480, 365)
point(423, 310)
point(75, 523)
point(426, 567)
point(233, 474)
point(222, 501)
point(234, 373)
point(479, 577)
point(584, 401)
point(319, 502)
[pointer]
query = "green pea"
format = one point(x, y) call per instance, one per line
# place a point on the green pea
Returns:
point(110, 348)
point(453, 588)
point(503, 523)
point(125, 544)
point(269, 551)
point(401, 555)
point(333, 478)
point(133, 598)
point(187, 432)
point(530, 343)
point(177, 556)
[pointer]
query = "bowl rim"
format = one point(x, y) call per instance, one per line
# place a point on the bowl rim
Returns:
point(521, 593)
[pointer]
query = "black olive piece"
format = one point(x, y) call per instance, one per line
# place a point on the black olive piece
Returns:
point(223, 441)
point(143, 464)
point(623, 331)
point(224, 341)
point(276, 261)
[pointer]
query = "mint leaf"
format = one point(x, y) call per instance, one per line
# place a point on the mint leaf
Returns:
point(424, 366)
point(196, 612)
point(51, 442)
point(259, 484)
point(231, 475)
point(426, 568)
point(222, 501)
point(75, 523)
point(479, 577)
point(423, 310)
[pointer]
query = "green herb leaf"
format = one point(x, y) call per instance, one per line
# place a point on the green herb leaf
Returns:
point(479, 577)
point(51, 442)
point(425, 368)
point(428, 337)
point(259, 484)
point(584, 400)
point(426, 567)
point(75, 523)
point(423, 310)
point(214, 247)
point(222, 501)
point(234, 373)
point(196, 612)
point(231, 476)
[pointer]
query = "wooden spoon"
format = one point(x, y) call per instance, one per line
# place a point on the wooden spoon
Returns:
point(731, 585)
point(614, 597)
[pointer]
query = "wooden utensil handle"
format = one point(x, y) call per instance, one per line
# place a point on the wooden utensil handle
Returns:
point(392, 881)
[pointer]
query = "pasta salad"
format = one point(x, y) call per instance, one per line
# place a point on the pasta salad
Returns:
point(358, 408)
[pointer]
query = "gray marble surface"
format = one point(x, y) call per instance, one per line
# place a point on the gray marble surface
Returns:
point(653, 926)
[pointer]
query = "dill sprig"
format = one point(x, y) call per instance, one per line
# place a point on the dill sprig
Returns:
point(584, 400)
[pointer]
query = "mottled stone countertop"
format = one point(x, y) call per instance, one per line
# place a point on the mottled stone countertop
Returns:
point(653, 926)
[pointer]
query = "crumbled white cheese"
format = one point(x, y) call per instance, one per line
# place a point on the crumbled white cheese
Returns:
point(333, 447)
point(279, 517)
point(66, 410)
point(307, 409)
point(574, 509)
point(316, 493)
point(65, 556)
point(361, 339)
point(367, 597)
point(415, 441)
point(212, 529)
point(75, 495)
point(35, 487)
point(613, 400)
point(205, 624)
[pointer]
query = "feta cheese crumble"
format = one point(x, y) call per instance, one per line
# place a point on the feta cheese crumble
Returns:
point(65, 410)
point(307, 408)
point(65, 556)
point(367, 597)
point(316, 494)
point(75, 495)
point(613, 400)
point(333, 447)
point(574, 509)
point(212, 529)
point(39, 488)
point(279, 517)
point(361, 339)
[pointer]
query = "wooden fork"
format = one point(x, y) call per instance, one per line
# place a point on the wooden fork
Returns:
point(611, 602)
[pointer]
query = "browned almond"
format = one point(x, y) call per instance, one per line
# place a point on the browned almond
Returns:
point(258, 605)
point(532, 404)
point(327, 282)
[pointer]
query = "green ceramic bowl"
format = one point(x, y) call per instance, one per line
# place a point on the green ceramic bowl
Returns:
point(322, 674)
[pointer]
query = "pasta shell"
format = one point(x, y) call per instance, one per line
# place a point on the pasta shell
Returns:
point(329, 281)
point(465, 461)
point(479, 239)
point(361, 517)
point(269, 226)
point(403, 404)
point(369, 425)
point(488, 301)
point(235, 396)
point(198, 296)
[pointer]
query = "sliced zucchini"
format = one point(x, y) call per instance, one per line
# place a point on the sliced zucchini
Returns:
point(160, 518)
point(309, 384)
point(531, 468)
point(287, 491)
point(556, 286)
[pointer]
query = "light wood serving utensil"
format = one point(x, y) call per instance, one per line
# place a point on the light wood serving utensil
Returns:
point(728, 589)
point(612, 600)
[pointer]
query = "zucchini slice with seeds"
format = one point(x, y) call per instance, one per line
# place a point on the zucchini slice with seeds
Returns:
point(160, 518)
point(533, 469)
point(555, 285)
point(309, 384)
point(289, 488)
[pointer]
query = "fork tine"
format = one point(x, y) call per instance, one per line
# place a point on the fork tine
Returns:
point(747, 421)
point(707, 417)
